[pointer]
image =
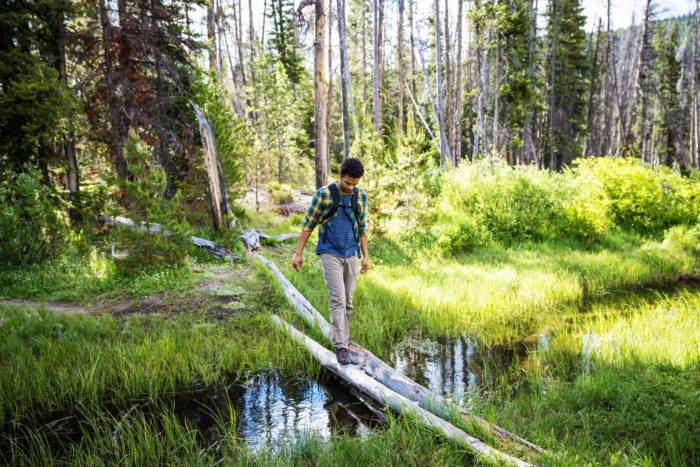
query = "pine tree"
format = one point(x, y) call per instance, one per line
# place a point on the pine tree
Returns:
point(283, 39)
point(566, 81)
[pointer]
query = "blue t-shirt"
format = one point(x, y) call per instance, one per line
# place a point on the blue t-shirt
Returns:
point(339, 237)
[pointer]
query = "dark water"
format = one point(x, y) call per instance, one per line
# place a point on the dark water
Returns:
point(270, 407)
point(459, 366)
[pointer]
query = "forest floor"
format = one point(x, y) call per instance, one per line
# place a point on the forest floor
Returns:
point(591, 352)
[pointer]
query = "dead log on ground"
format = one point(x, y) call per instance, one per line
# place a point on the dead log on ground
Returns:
point(378, 391)
point(386, 374)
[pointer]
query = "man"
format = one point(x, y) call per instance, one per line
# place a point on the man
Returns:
point(340, 209)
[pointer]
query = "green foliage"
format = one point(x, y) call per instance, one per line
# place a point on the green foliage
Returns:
point(513, 205)
point(401, 180)
point(490, 200)
point(147, 205)
point(277, 153)
point(642, 198)
point(33, 223)
point(283, 39)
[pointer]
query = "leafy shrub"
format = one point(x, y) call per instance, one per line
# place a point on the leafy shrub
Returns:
point(586, 206)
point(512, 204)
point(642, 198)
point(147, 206)
point(33, 223)
point(463, 237)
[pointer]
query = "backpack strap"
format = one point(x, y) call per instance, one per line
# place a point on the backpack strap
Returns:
point(355, 201)
point(335, 196)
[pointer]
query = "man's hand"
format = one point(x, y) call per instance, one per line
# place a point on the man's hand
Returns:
point(298, 261)
point(365, 265)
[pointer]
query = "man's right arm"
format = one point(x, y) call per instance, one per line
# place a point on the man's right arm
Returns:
point(312, 218)
point(298, 261)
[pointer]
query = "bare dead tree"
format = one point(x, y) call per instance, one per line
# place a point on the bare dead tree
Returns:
point(400, 48)
point(457, 111)
point(320, 90)
point(640, 97)
point(591, 145)
point(440, 114)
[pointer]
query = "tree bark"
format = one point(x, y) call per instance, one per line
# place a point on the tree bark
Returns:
point(413, 59)
point(639, 85)
point(72, 169)
point(211, 37)
point(344, 78)
point(606, 137)
point(402, 77)
point(217, 187)
point(444, 148)
point(329, 103)
point(375, 76)
point(448, 84)
point(320, 91)
point(457, 111)
point(591, 145)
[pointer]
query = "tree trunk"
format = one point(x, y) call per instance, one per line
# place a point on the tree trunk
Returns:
point(329, 103)
point(457, 111)
point(448, 91)
point(217, 187)
point(695, 86)
point(413, 59)
point(375, 76)
point(606, 137)
point(211, 37)
point(381, 393)
point(320, 93)
point(72, 169)
point(344, 77)
point(440, 114)
point(116, 147)
point(591, 145)
point(402, 77)
point(640, 84)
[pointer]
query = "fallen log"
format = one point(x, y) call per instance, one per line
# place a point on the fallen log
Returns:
point(251, 239)
point(355, 376)
point(384, 373)
point(157, 229)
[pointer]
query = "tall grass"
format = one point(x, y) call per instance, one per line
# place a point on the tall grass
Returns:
point(50, 362)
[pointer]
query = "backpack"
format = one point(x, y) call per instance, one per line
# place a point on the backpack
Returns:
point(335, 196)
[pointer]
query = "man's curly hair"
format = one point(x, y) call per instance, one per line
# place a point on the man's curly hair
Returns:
point(352, 167)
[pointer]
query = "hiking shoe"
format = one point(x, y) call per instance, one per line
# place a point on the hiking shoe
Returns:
point(343, 356)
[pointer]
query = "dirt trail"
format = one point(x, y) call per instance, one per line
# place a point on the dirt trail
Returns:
point(219, 291)
point(62, 308)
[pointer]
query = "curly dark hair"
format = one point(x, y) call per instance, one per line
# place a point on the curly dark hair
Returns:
point(352, 167)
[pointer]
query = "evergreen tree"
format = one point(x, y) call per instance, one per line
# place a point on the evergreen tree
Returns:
point(667, 72)
point(283, 39)
point(566, 81)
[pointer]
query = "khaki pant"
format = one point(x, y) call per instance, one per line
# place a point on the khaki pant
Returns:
point(340, 275)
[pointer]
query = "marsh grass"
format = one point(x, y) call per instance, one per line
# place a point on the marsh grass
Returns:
point(82, 276)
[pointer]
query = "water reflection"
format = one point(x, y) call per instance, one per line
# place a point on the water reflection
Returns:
point(269, 407)
point(457, 366)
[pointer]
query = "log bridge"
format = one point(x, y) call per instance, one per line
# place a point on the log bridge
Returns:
point(367, 373)
point(385, 384)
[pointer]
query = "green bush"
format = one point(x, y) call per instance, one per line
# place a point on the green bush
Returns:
point(33, 223)
point(644, 199)
point(511, 204)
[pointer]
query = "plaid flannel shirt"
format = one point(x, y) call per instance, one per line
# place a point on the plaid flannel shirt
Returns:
point(323, 201)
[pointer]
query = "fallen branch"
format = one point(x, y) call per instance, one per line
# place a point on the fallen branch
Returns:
point(157, 229)
point(355, 376)
point(251, 239)
point(384, 373)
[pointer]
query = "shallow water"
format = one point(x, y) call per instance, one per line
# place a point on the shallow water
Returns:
point(270, 408)
point(458, 366)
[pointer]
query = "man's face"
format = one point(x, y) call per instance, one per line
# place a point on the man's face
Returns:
point(347, 183)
